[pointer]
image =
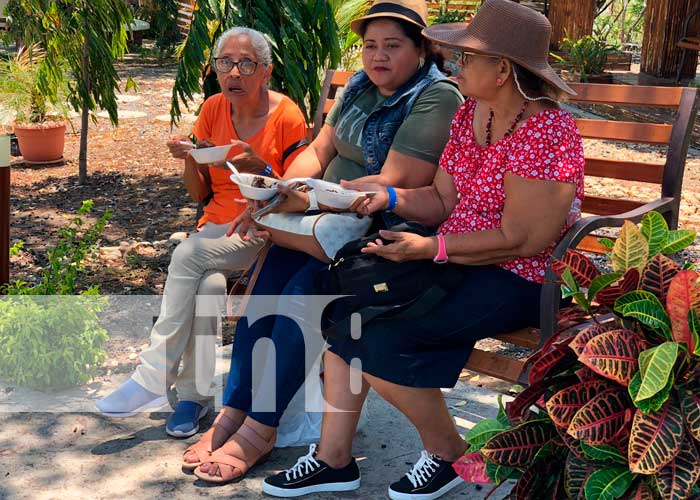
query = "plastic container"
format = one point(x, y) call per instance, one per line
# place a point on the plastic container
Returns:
point(210, 155)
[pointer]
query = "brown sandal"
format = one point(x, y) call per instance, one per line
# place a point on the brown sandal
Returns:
point(202, 448)
point(262, 447)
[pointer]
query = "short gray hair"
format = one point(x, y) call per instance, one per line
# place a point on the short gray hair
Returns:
point(257, 39)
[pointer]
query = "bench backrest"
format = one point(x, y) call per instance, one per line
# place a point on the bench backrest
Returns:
point(3, 23)
point(668, 175)
point(185, 10)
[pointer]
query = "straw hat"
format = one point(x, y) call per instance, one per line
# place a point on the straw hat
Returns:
point(508, 29)
point(413, 11)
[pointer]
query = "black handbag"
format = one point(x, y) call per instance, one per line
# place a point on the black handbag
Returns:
point(376, 287)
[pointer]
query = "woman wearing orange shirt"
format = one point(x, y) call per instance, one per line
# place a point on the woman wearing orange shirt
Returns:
point(253, 118)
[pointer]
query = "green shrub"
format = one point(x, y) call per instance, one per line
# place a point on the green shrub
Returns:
point(49, 337)
point(586, 56)
point(447, 15)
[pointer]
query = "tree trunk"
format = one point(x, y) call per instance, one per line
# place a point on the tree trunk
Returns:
point(623, 18)
point(663, 29)
point(571, 19)
point(84, 121)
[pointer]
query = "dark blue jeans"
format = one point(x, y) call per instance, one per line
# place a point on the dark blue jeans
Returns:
point(264, 377)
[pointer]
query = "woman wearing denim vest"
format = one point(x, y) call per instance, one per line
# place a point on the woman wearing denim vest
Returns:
point(510, 184)
point(389, 127)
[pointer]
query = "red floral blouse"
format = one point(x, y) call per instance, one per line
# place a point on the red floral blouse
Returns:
point(547, 146)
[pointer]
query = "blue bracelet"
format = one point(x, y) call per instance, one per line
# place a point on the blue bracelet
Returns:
point(268, 170)
point(392, 198)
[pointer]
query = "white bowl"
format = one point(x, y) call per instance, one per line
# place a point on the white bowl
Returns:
point(210, 155)
point(255, 193)
point(334, 196)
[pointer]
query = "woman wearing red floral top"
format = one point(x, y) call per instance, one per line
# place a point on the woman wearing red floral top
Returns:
point(510, 184)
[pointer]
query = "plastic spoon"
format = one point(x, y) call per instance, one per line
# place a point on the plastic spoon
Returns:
point(235, 171)
point(187, 143)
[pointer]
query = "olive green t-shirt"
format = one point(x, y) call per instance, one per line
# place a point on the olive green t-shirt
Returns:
point(422, 135)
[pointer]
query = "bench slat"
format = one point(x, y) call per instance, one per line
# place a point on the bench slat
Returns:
point(527, 337)
point(627, 170)
point(495, 365)
point(651, 133)
point(595, 93)
point(608, 206)
point(688, 45)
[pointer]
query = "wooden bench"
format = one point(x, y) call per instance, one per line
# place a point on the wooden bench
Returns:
point(687, 43)
point(600, 211)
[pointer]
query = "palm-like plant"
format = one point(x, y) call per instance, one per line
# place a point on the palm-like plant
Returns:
point(303, 35)
point(346, 12)
point(613, 410)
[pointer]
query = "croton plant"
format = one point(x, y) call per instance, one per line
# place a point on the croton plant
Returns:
point(612, 409)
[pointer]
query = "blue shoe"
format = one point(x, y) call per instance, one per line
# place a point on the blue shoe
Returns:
point(184, 422)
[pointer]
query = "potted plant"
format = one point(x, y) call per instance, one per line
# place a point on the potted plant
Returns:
point(36, 114)
point(612, 411)
point(586, 57)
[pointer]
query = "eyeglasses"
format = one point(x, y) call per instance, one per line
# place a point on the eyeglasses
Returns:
point(225, 65)
point(465, 57)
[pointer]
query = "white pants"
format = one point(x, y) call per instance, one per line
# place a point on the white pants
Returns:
point(190, 315)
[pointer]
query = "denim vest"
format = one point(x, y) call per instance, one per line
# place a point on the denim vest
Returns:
point(383, 123)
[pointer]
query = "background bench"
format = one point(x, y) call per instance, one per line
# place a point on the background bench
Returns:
point(599, 211)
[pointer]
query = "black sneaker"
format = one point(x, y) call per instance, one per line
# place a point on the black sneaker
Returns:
point(312, 476)
point(430, 478)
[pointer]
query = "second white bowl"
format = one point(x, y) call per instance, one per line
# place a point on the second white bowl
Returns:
point(245, 184)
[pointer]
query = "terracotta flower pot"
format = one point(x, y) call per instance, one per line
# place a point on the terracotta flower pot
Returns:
point(42, 142)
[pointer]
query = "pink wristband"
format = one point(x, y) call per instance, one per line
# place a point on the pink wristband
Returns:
point(441, 257)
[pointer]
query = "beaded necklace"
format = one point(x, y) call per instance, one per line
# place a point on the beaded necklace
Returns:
point(512, 127)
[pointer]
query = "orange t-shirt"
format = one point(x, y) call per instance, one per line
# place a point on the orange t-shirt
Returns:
point(285, 127)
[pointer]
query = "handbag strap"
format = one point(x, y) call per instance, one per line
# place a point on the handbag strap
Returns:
point(256, 267)
point(415, 309)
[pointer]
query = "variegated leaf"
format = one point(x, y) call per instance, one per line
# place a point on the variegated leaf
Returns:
point(529, 486)
point(678, 240)
point(573, 445)
point(603, 453)
point(609, 295)
point(609, 483)
point(578, 344)
point(683, 296)
point(546, 363)
point(614, 355)
point(690, 402)
point(601, 282)
point(583, 269)
point(631, 250)
point(562, 407)
point(656, 365)
point(641, 492)
point(635, 296)
point(651, 314)
point(677, 478)
point(576, 474)
point(519, 446)
point(599, 420)
point(655, 229)
point(653, 403)
point(483, 431)
point(472, 468)
point(694, 323)
point(519, 409)
point(498, 473)
point(657, 276)
point(655, 438)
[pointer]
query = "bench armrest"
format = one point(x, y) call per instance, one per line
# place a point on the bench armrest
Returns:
point(551, 290)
